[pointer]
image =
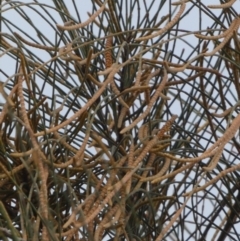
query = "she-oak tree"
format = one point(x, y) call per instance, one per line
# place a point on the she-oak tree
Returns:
point(121, 126)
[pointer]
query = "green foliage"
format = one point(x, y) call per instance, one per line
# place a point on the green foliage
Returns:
point(109, 128)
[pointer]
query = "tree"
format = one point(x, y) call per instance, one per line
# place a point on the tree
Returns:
point(121, 125)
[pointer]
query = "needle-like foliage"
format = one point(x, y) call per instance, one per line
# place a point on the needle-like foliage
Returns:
point(119, 120)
